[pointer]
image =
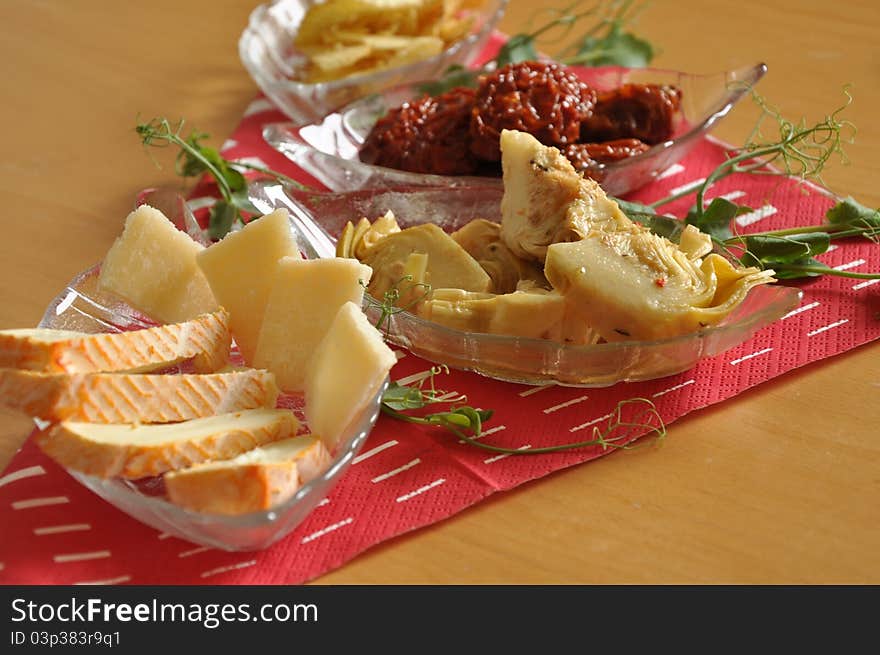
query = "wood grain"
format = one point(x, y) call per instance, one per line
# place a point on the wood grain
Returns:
point(778, 485)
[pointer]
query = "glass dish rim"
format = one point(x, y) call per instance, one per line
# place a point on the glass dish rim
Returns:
point(754, 72)
point(728, 325)
point(253, 28)
point(342, 455)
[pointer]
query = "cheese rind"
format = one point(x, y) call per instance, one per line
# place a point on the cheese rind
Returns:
point(152, 265)
point(256, 480)
point(204, 339)
point(137, 451)
point(134, 398)
point(240, 270)
point(346, 371)
point(305, 297)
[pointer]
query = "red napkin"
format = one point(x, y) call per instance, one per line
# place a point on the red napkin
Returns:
point(406, 477)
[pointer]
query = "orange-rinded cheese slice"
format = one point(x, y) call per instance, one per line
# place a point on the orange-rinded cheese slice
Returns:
point(256, 480)
point(137, 451)
point(205, 340)
point(134, 398)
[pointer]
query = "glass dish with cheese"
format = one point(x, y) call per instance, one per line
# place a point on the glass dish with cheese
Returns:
point(545, 280)
point(140, 395)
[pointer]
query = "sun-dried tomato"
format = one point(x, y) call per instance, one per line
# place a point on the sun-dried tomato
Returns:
point(430, 135)
point(585, 156)
point(541, 98)
point(638, 111)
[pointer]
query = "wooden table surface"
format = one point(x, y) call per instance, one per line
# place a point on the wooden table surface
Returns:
point(778, 485)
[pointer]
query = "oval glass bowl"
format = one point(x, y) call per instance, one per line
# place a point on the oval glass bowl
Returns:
point(328, 149)
point(514, 359)
point(82, 307)
point(267, 52)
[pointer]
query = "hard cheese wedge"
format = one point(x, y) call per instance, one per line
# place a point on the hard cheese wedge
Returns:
point(204, 339)
point(346, 371)
point(153, 265)
point(137, 451)
point(256, 480)
point(305, 297)
point(240, 270)
point(126, 398)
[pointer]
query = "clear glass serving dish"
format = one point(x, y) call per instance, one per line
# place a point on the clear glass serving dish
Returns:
point(82, 307)
point(267, 52)
point(328, 149)
point(514, 359)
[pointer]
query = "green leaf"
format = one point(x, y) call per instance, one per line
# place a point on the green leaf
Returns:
point(520, 47)
point(617, 48)
point(791, 272)
point(190, 165)
point(401, 397)
point(715, 219)
point(453, 77)
point(221, 218)
point(770, 251)
point(242, 202)
point(664, 226)
point(451, 418)
point(853, 213)
point(629, 207)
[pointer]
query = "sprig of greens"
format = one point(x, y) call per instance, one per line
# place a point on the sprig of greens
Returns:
point(390, 299)
point(466, 422)
point(195, 159)
point(457, 418)
point(607, 42)
point(796, 149)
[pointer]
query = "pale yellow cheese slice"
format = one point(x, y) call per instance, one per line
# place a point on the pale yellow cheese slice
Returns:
point(134, 398)
point(346, 371)
point(305, 297)
point(137, 451)
point(240, 270)
point(204, 339)
point(152, 265)
point(259, 479)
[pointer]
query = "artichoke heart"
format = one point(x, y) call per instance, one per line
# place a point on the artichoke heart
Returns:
point(536, 314)
point(546, 200)
point(355, 240)
point(448, 264)
point(482, 240)
point(381, 228)
point(636, 285)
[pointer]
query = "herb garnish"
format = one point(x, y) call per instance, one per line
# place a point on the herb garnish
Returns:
point(606, 43)
point(798, 150)
point(466, 422)
point(194, 159)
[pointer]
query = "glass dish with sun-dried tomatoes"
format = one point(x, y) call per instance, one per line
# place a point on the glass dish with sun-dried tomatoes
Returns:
point(621, 127)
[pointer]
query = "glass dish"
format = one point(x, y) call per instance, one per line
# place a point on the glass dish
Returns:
point(82, 307)
point(514, 359)
point(328, 149)
point(267, 52)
